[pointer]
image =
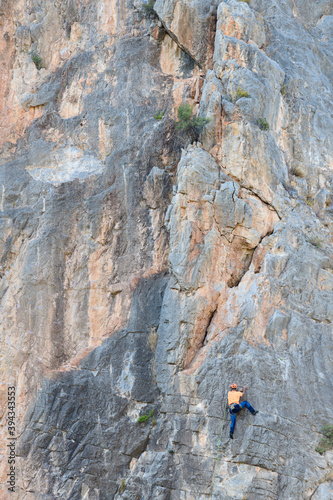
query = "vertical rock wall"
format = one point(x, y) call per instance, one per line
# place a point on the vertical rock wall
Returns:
point(140, 277)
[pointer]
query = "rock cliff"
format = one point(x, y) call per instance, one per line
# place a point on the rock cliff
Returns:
point(144, 269)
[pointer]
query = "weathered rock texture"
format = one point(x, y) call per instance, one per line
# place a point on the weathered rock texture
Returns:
point(142, 271)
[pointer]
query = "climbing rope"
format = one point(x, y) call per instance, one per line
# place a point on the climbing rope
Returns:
point(218, 449)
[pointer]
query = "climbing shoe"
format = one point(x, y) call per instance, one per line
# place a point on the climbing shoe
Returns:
point(231, 435)
point(255, 412)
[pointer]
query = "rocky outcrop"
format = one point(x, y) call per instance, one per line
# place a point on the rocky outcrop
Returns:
point(143, 272)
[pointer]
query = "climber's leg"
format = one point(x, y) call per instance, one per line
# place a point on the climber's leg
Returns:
point(249, 407)
point(232, 425)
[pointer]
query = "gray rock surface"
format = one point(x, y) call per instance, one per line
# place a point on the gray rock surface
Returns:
point(144, 272)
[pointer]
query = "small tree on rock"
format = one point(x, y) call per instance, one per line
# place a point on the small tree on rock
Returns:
point(187, 121)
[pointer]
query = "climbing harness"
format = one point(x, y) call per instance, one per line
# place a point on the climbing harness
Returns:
point(218, 449)
point(233, 406)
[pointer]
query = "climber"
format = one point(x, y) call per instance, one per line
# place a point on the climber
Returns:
point(235, 406)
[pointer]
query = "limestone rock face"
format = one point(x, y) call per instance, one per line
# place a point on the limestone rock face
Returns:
point(144, 269)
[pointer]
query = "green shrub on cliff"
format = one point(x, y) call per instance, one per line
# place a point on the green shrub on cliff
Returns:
point(263, 124)
point(187, 121)
point(148, 8)
point(240, 93)
point(144, 418)
point(36, 59)
point(326, 443)
point(122, 486)
point(159, 115)
point(315, 241)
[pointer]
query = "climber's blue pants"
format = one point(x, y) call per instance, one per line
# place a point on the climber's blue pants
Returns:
point(233, 413)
